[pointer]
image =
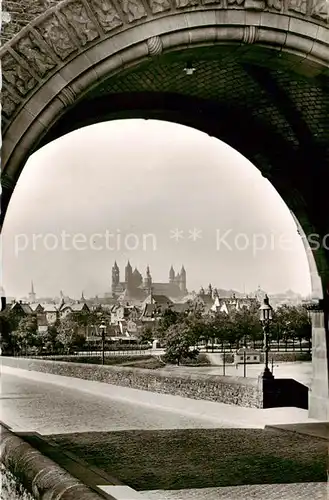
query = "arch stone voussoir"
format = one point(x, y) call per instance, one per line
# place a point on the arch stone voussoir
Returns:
point(60, 35)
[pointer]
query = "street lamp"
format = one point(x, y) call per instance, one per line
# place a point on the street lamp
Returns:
point(265, 319)
point(189, 68)
point(102, 328)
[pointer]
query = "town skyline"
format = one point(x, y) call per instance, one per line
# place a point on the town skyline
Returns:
point(33, 287)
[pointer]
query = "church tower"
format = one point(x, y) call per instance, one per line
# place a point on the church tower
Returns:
point(115, 276)
point(128, 272)
point(182, 281)
point(171, 275)
point(148, 280)
point(128, 276)
point(137, 278)
point(32, 295)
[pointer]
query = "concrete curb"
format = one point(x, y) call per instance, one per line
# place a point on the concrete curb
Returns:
point(44, 478)
point(299, 431)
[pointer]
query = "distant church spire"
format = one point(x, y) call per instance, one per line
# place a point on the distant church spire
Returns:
point(148, 279)
point(3, 299)
point(171, 275)
point(32, 295)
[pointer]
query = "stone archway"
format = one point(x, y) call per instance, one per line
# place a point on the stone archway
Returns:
point(267, 68)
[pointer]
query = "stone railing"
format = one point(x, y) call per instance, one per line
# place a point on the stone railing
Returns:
point(28, 475)
point(230, 390)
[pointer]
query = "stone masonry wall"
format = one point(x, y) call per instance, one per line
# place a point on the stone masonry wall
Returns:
point(19, 13)
point(11, 488)
point(231, 390)
point(28, 474)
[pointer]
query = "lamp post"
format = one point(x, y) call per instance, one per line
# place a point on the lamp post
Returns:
point(265, 319)
point(102, 328)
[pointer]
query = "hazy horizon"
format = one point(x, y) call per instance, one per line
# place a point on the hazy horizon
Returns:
point(157, 182)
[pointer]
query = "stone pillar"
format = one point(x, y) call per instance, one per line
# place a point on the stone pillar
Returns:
point(319, 393)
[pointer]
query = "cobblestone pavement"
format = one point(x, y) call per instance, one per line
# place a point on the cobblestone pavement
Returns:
point(30, 405)
point(299, 491)
point(42, 401)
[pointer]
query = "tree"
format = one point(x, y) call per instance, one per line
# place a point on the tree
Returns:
point(291, 323)
point(222, 328)
point(180, 339)
point(10, 319)
point(51, 340)
point(247, 325)
point(168, 318)
point(146, 334)
point(69, 334)
point(27, 336)
point(8, 340)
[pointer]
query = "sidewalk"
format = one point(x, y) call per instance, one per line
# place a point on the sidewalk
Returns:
point(319, 429)
point(299, 491)
point(233, 416)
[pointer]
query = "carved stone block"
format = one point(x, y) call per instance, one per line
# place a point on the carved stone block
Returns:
point(157, 6)
point(206, 2)
point(106, 14)
point(250, 34)
point(57, 37)
point(133, 9)
point(298, 6)
point(29, 48)
point(235, 2)
point(19, 77)
point(8, 102)
point(78, 18)
point(257, 5)
point(180, 4)
point(320, 10)
point(275, 4)
point(154, 45)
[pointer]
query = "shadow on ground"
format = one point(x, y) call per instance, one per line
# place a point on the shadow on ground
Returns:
point(194, 458)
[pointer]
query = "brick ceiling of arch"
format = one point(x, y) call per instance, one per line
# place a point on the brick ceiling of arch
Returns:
point(291, 107)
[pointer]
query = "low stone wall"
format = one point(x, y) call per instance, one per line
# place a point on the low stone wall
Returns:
point(28, 475)
point(288, 357)
point(231, 390)
point(11, 488)
point(278, 357)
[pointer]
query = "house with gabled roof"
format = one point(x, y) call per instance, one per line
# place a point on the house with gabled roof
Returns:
point(66, 309)
point(161, 300)
point(20, 308)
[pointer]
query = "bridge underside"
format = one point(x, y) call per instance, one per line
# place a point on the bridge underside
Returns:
point(271, 106)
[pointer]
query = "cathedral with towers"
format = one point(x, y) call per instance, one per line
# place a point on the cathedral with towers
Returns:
point(136, 287)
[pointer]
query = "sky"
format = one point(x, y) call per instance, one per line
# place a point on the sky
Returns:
point(158, 194)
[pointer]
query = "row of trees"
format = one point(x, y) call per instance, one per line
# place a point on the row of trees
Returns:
point(181, 332)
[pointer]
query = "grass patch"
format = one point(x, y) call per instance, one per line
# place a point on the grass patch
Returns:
point(194, 458)
point(200, 360)
point(150, 364)
point(108, 360)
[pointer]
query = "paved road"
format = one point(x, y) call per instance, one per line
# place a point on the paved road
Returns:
point(31, 405)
